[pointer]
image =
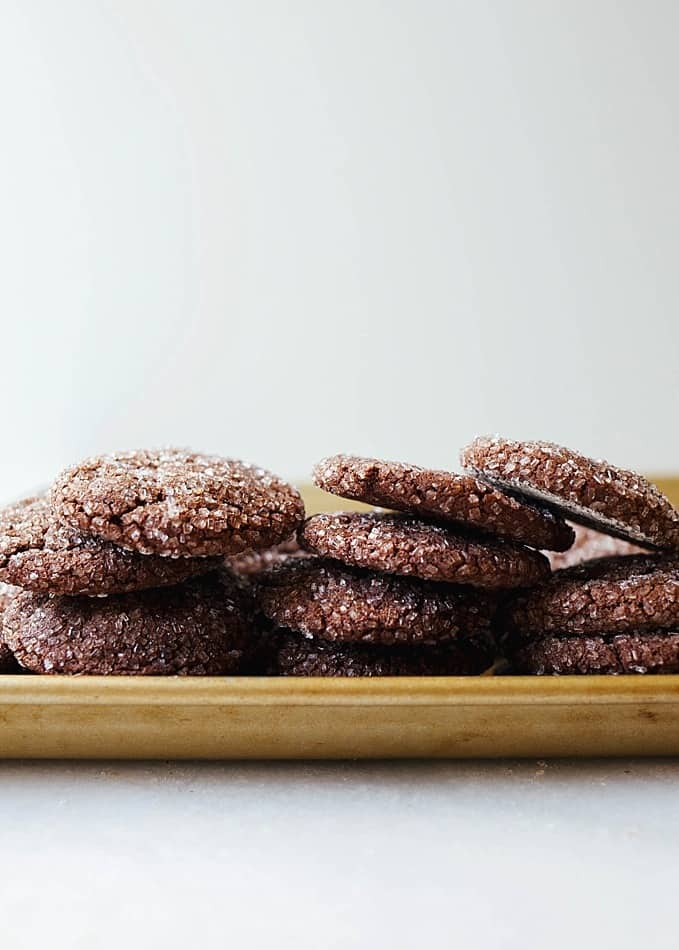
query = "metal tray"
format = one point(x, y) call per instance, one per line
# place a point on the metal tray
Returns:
point(293, 718)
point(406, 717)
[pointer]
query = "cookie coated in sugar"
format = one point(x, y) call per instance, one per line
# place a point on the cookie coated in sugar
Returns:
point(326, 600)
point(445, 496)
point(40, 554)
point(400, 544)
point(201, 627)
point(604, 596)
point(589, 491)
point(177, 503)
point(624, 653)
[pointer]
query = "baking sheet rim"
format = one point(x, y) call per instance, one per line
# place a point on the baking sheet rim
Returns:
point(318, 691)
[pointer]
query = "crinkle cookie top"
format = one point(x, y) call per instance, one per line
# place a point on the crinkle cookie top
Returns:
point(589, 491)
point(40, 554)
point(177, 503)
point(449, 496)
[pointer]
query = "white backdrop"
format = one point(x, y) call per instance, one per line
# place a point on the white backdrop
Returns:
point(280, 230)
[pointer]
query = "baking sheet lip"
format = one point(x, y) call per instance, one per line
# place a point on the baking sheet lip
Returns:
point(317, 691)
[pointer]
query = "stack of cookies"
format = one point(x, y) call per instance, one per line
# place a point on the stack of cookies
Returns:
point(613, 614)
point(173, 562)
point(120, 567)
point(411, 592)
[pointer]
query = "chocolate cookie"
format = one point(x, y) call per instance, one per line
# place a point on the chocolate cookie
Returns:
point(588, 491)
point(292, 655)
point(7, 662)
point(177, 503)
point(605, 596)
point(322, 599)
point(252, 563)
point(40, 554)
point(590, 544)
point(445, 496)
point(625, 653)
point(200, 627)
point(400, 544)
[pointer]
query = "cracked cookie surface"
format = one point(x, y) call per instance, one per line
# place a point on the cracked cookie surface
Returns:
point(40, 554)
point(176, 503)
point(448, 496)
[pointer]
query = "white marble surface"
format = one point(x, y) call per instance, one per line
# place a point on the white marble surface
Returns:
point(320, 855)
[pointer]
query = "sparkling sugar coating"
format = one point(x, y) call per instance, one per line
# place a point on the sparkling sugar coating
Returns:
point(589, 491)
point(624, 653)
point(448, 496)
point(590, 544)
point(177, 503)
point(322, 599)
point(201, 627)
point(604, 596)
point(40, 554)
point(294, 655)
point(400, 544)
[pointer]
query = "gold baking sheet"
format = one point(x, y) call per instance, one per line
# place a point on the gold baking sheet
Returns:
point(298, 718)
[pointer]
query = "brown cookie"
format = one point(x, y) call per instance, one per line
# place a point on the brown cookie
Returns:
point(252, 563)
point(588, 491)
point(605, 596)
point(625, 653)
point(177, 503)
point(445, 496)
point(7, 662)
point(590, 544)
point(201, 627)
point(40, 554)
point(291, 655)
point(400, 544)
point(326, 600)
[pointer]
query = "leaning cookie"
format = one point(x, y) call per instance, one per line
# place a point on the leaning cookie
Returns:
point(200, 627)
point(605, 596)
point(588, 491)
point(400, 544)
point(42, 555)
point(446, 496)
point(588, 545)
point(624, 653)
point(177, 503)
point(294, 655)
point(325, 600)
